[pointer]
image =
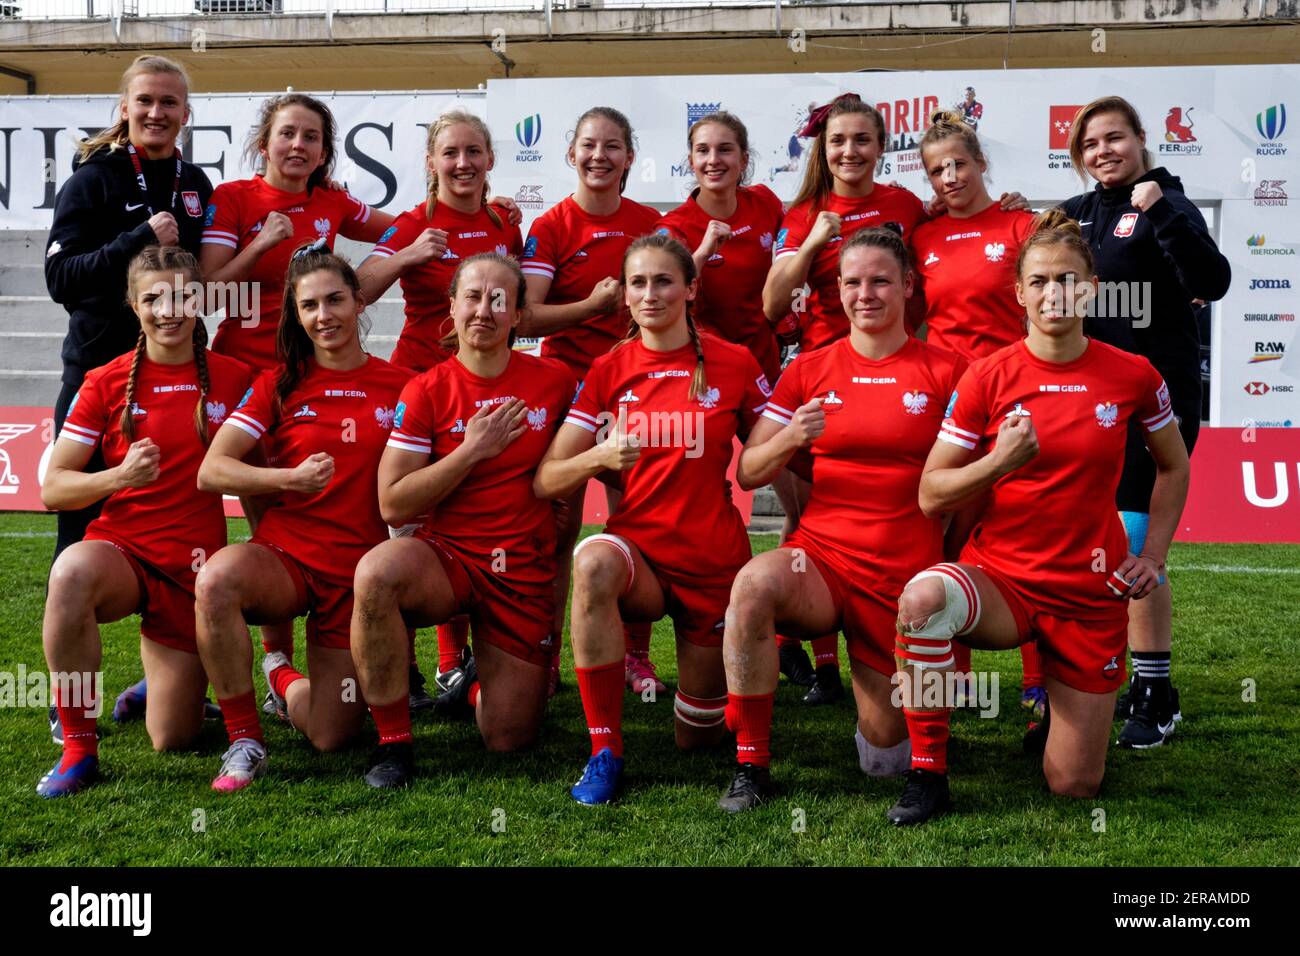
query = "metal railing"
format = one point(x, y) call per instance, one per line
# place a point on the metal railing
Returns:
point(158, 9)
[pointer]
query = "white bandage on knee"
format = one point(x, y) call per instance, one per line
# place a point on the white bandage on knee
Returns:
point(699, 711)
point(930, 645)
point(883, 762)
point(619, 545)
point(405, 531)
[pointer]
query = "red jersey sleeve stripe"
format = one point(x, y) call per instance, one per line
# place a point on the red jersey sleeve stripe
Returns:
point(759, 409)
point(581, 419)
point(383, 251)
point(955, 439)
point(1159, 421)
point(787, 251)
point(363, 211)
point(219, 239)
point(421, 446)
point(244, 423)
point(535, 267)
point(85, 437)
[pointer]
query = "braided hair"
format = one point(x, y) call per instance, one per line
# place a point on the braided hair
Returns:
point(177, 261)
point(444, 122)
point(666, 243)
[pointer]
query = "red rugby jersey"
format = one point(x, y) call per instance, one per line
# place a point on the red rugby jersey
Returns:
point(425, 288)
point(675, 505)
point(494, 507)
point(866, 465)
point(1050, 527)
point(968, 268)
point(347, 415)
point(236, 214)
point(825, 320)
point(575, 250)
point(165, 522)
point(730, 300)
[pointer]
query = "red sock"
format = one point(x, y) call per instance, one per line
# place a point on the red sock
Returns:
point(961, 658)
point(602, 701)
point(636, 638)
point(273, 641)
point(1032, 663)
point(282, 677)
point(452, 638)
point(240, 715)
point(393, 721)
point(79, 736)
point(783, 641)
point(826, 650)
point(471, 695)
point(750, 719)
point(929, 732)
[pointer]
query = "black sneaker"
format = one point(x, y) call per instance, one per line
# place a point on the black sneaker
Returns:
point(1124, 702)
point(924, 796)
point(391, 766)
point(796, 666)
point(56, 726)
point(751, 786)
point(454, 701)
point(1154, 717)
point(1035, 739)
point(827, 687)
point(417, 698)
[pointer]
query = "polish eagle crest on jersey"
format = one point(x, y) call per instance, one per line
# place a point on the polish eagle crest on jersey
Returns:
point(765, 240)
point(192, 204)
point(216, 412)
point(994, 251)
point(710, 398)
point(915, 402)
point(322, 227)
point(1124, 228)
point(385, 416)
point(537, 418)
point(501, 249)
point(1107, 414)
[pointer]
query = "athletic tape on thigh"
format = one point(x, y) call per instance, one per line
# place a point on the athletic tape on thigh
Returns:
point(622, 547)
point(700, 711)
point(930, 646)
point(1135, 526)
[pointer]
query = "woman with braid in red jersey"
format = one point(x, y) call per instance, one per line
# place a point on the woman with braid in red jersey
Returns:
point(151, 412)
point(571, 261)
point(662, 410)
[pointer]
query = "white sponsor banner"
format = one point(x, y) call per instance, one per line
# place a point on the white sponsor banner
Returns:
point(381, 143)
point(1223, 130)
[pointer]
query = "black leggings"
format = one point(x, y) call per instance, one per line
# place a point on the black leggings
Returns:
point(1138, 478)
point(73, 524)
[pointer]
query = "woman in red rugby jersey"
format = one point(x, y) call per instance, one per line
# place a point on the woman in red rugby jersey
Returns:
point(150, 411)
point(670, 401)
point(252, 227)
point(572, 261)
point(965, 262)
point(1039, 427)
point(732, 228)
point(422, 249)
point(465, 444)
point(323, 418)
point(864, 410)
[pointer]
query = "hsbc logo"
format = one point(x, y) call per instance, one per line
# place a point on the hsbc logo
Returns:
point(1256, 388)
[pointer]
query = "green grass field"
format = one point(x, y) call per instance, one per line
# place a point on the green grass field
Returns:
point(1222, 792)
